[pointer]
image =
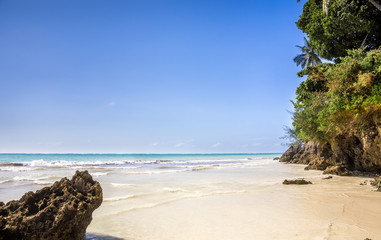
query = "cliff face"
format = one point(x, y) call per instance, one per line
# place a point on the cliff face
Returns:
point(61, 211)
point(342, 154)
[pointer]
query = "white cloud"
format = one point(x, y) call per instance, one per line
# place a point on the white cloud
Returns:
point(216, 145)
point(179, 144)
point(111, 104)
point(256, 144)
point(154, 144)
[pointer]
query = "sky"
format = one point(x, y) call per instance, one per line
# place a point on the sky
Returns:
point(139, 76)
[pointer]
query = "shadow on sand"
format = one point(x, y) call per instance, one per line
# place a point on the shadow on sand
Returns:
point(90, 236)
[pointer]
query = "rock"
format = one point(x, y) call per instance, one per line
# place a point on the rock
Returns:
point(61, 211)
point(364, 183)
point(327, 177)
point(377, 183)
point(337, 170)
point(311, 153)
point(276, 158)
point(296, 181)
point(356, 152)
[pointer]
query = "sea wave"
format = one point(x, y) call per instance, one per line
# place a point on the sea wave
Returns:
point(113, 199)
point(123, 185)
point(181, 165)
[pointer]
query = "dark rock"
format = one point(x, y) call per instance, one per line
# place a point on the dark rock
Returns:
point(355, 153)
point(296, 181)
point(311, 153)
point(276, 158)
point(327, 177)
point(61, 211)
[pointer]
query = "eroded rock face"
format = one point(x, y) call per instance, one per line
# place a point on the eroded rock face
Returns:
point(316, 155)
point(61, 211)
point(343, 154)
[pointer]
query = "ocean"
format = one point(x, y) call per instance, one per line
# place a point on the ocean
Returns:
point(203, 196)
point(27, 172)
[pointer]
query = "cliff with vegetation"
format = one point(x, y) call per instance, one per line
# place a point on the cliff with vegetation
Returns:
point(337, 117)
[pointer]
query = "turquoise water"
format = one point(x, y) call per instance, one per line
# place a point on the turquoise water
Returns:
point(104, 158)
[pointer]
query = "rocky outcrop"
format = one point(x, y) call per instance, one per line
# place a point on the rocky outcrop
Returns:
point(61, 211)
point(341, 155)
point(314, 154)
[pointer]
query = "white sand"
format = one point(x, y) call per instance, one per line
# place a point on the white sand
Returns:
point(243, 203)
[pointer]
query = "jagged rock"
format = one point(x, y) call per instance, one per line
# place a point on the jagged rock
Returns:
point(352, 152)
point(311, 153)
point(61, 211)
point(337, 170)
point(296, 181)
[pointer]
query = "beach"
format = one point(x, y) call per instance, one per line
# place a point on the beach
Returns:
point(208, 197)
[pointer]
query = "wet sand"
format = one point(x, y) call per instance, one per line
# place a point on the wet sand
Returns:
point(241, 203)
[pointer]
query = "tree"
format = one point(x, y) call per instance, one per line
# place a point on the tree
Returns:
point(326, 3)
point(349, 24)
point(308, 57)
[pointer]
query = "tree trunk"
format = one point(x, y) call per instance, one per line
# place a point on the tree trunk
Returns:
point(377, 5)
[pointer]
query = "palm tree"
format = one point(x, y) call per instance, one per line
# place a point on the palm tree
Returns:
point(308, 57)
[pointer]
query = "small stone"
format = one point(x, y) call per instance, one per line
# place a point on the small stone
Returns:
point(327, 177)
point(296, 181)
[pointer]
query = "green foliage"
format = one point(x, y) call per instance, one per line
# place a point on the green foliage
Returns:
point(348, 24)
point(338, 97)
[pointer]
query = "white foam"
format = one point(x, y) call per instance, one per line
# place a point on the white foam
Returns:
point(155, 172)
point(98, 174)
point(15, 169)
point(6, 181)
point(174, 190)
point(113, 199)
point(123, 185)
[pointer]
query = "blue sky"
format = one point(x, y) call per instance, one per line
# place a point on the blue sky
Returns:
point(146, 76)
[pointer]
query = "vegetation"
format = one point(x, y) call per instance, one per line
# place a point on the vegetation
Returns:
point(341, 26)
point(308, 57)
point(338, 97)
point(345, 95)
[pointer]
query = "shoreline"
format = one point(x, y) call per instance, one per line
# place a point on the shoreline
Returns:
point(219, 199)
point(332, 209)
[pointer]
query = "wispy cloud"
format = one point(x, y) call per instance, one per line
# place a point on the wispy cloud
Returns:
point(179, 144)
point(154, 144)
point(216, 145)
point(111, 104)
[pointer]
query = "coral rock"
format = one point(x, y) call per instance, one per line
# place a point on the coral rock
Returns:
point(61, 211)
